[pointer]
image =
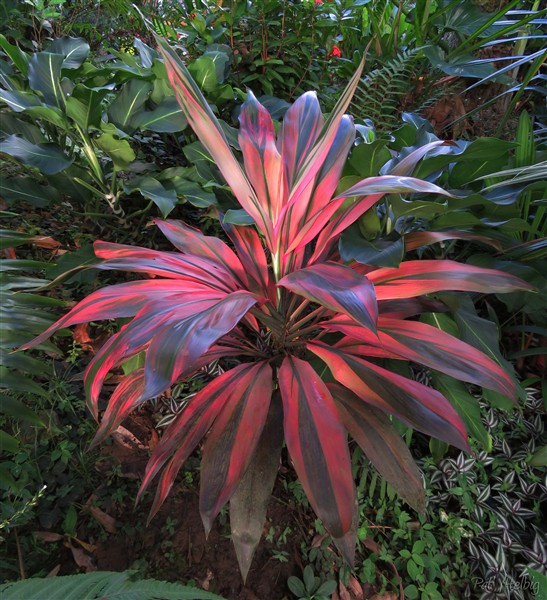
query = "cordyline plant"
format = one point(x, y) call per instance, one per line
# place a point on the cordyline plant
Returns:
point(281, 301)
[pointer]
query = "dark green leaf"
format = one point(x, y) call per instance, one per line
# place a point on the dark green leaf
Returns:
point(382, 252)
point(128, 102)
point(17, 56)
point(48, 158)
point(74, 51)
point(27, 189)
point(15, 409)
point(44, 75)
point(19, 101)
point(151, 188)
point(167, 117)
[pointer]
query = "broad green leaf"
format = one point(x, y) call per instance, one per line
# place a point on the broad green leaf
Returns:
point(167, 117)
point(11, 124)
point(74, 51)
point(539, 458)
point(19, 101)
point(27, 189)
point(44, 75)
point(204, 71)
point(19, 58)
point(129, 101)
point(101, 584)
point(84, 106)
point(221, 61)
point(117, 149)
point(48, 158)
point(366, 160)
point(9, 445)
point(14, 381)
point(151, 188)
point(50, 114)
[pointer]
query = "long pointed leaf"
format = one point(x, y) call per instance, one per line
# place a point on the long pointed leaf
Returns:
point(417, 277)
point(382, 444)
point(249, 502)
point(232, 441)
point(206, 126)
point(317, 444)
point(176, 346)
point(185, 432)
point(415, 404)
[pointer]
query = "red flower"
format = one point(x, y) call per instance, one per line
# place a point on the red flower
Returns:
point(335, 52)
point(318, 1)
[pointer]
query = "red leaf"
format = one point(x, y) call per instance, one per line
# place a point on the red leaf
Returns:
point(191, 241)
point(232, 441)
point(337, 287)
point(175, 347)
point(416, 239)
point(165, 264)
point(429, 346)
point(317, 444)
point(416, 277)
point(185, 432)
point(418, 406)
point(382, 444)
point(262, 160)
point(210, 133)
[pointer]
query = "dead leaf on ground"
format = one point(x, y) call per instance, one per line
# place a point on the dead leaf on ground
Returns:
point(386, 596)
point(108, 522)
point(54, 572)
point(81, 558)
point(355, 588)
point(343, 592)
point(49, 536)
point(204, 583)
point(126, 439)
point(43, 241)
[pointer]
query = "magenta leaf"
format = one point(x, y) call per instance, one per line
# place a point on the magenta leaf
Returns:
point(338, 288)
point(418, 406)
point(317, 444)
point(232, 441)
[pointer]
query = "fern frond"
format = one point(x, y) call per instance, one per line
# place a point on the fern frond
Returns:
point(103, 585)
point(392, 89)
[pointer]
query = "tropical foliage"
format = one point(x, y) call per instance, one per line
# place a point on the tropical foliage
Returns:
point(308, 331)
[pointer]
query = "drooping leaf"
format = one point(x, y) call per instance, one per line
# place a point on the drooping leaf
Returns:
point(232, 441)
point(48, 158)
point(27, 189)
point(249, 502)
point(317, 444)
point(418, 406)
point(74, 51)
point(185, 432)
point(338, 288)
point(117, 149)
point(84, 106)
point(382, 444)
point(19, 101)
point(17, 56)
point(175, 347)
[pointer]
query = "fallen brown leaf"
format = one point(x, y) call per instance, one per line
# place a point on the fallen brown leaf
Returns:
point(108, 522)
point(48, 536)
point(54, 571)
point(343, 592)
point(81, 558)
point(355, 588)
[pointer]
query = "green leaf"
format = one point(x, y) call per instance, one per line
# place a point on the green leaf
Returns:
point(101, 585)
point(50, 114)
point(27, 189)
point(118, 150)
point(204, 71)
point(44, 75)
point(12, 124)
point(539, 583)
point(84, 106)
point(9, 445)
point(167, 117)
point(15, 382)
point(151, 188)
point(539, 458)
point(382, 252)
point(129, 101)
point(48, 158)
point(366, 160)
point(296, 586)
point(19, 101)
point(15, 409)
point(17, 56)
point(74, 51)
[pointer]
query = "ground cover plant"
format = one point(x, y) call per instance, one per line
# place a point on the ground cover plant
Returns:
point(306, 329)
